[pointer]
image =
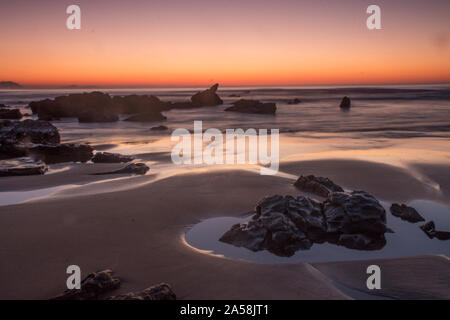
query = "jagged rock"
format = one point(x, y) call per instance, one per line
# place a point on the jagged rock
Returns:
point(207, 98)
point(70, 152)
point(283, 225)
point(133, 168)
point(253, 106)
point(159, 128)
point(28, 131)
point(162, 291)
point(354, 213)
point(147, 117)
point(430, 230)
point(21, 167)
point(94, 285)
point(406, 213)
point(317, 185)
point(10, 114)
point(346, 103)
point(294, 101)
point(107, 157)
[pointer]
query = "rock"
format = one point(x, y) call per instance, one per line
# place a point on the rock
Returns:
point(159, 128)
point(9, 85)
point(21, 167)
point(133, 168)
point(139, 104)
point(107, 157)
point(284, 225)
point(406, 213)
point(294, 101)
point(162, 291)
point(252, 106)
point(317, 185)
point(28, 131)
point(147, 117)
point(430, 230)
point(182, 105)
point(59, 153)
point(346, 103)
point(94, 285)
point(87, 107)
point(354, 213)
point(207, 98)
point(10, 114)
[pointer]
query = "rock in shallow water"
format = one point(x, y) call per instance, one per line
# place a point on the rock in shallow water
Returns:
point(406, 213)
point(133, 168)
point(10, 114)
point(207, 98)
point(69, 152)
point(317, 185)
point(430, 230)
point(107, 157)
point(21, 167)
point(253, 106)
point(346, 103)
point(283, 225)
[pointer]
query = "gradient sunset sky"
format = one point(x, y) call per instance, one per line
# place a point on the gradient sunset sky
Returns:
point(234, 42)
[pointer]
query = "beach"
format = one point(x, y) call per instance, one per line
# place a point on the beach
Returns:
point(136, 225)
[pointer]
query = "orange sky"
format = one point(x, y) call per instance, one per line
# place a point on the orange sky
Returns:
point(246, 42)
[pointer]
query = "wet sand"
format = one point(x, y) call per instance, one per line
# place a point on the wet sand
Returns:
point(139, 234)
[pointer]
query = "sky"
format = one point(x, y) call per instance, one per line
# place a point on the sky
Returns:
point(233, 42)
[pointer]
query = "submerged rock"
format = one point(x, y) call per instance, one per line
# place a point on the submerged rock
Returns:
point(70, 152)
point(14, 114)
point(207, 98)
point(284, 225)
point(162, 291)
point(430, 230)
point(406, 213)
point(107, 157)
point(133, 168)
point(317, 185)
point(94, 285)
point(346, 103)
point(252, 106)
point(22, 167)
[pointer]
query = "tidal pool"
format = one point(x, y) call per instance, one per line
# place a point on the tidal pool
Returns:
point(407, 240)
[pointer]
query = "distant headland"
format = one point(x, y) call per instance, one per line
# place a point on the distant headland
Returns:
point(9, 85)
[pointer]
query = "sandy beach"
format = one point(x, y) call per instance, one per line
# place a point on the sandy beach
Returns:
point(139, 233)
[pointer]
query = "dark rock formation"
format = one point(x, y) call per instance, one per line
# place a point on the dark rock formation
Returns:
point(94, 285)
point(159, 128)
point(430, 230)
point(294, 101)
point(139, 104)
point(406, 213)
point(59, 153)
point(87, 107)
point(283, 225)
point(346, 103)
point(28, 131)
point(147, 117)
point(252, 106)
point(317, 185)
point(21, 167)
point(107, 157)
point(10, 114)
point(182, 105)
point(133, 168)
point(162, 291)
point(207, 98)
